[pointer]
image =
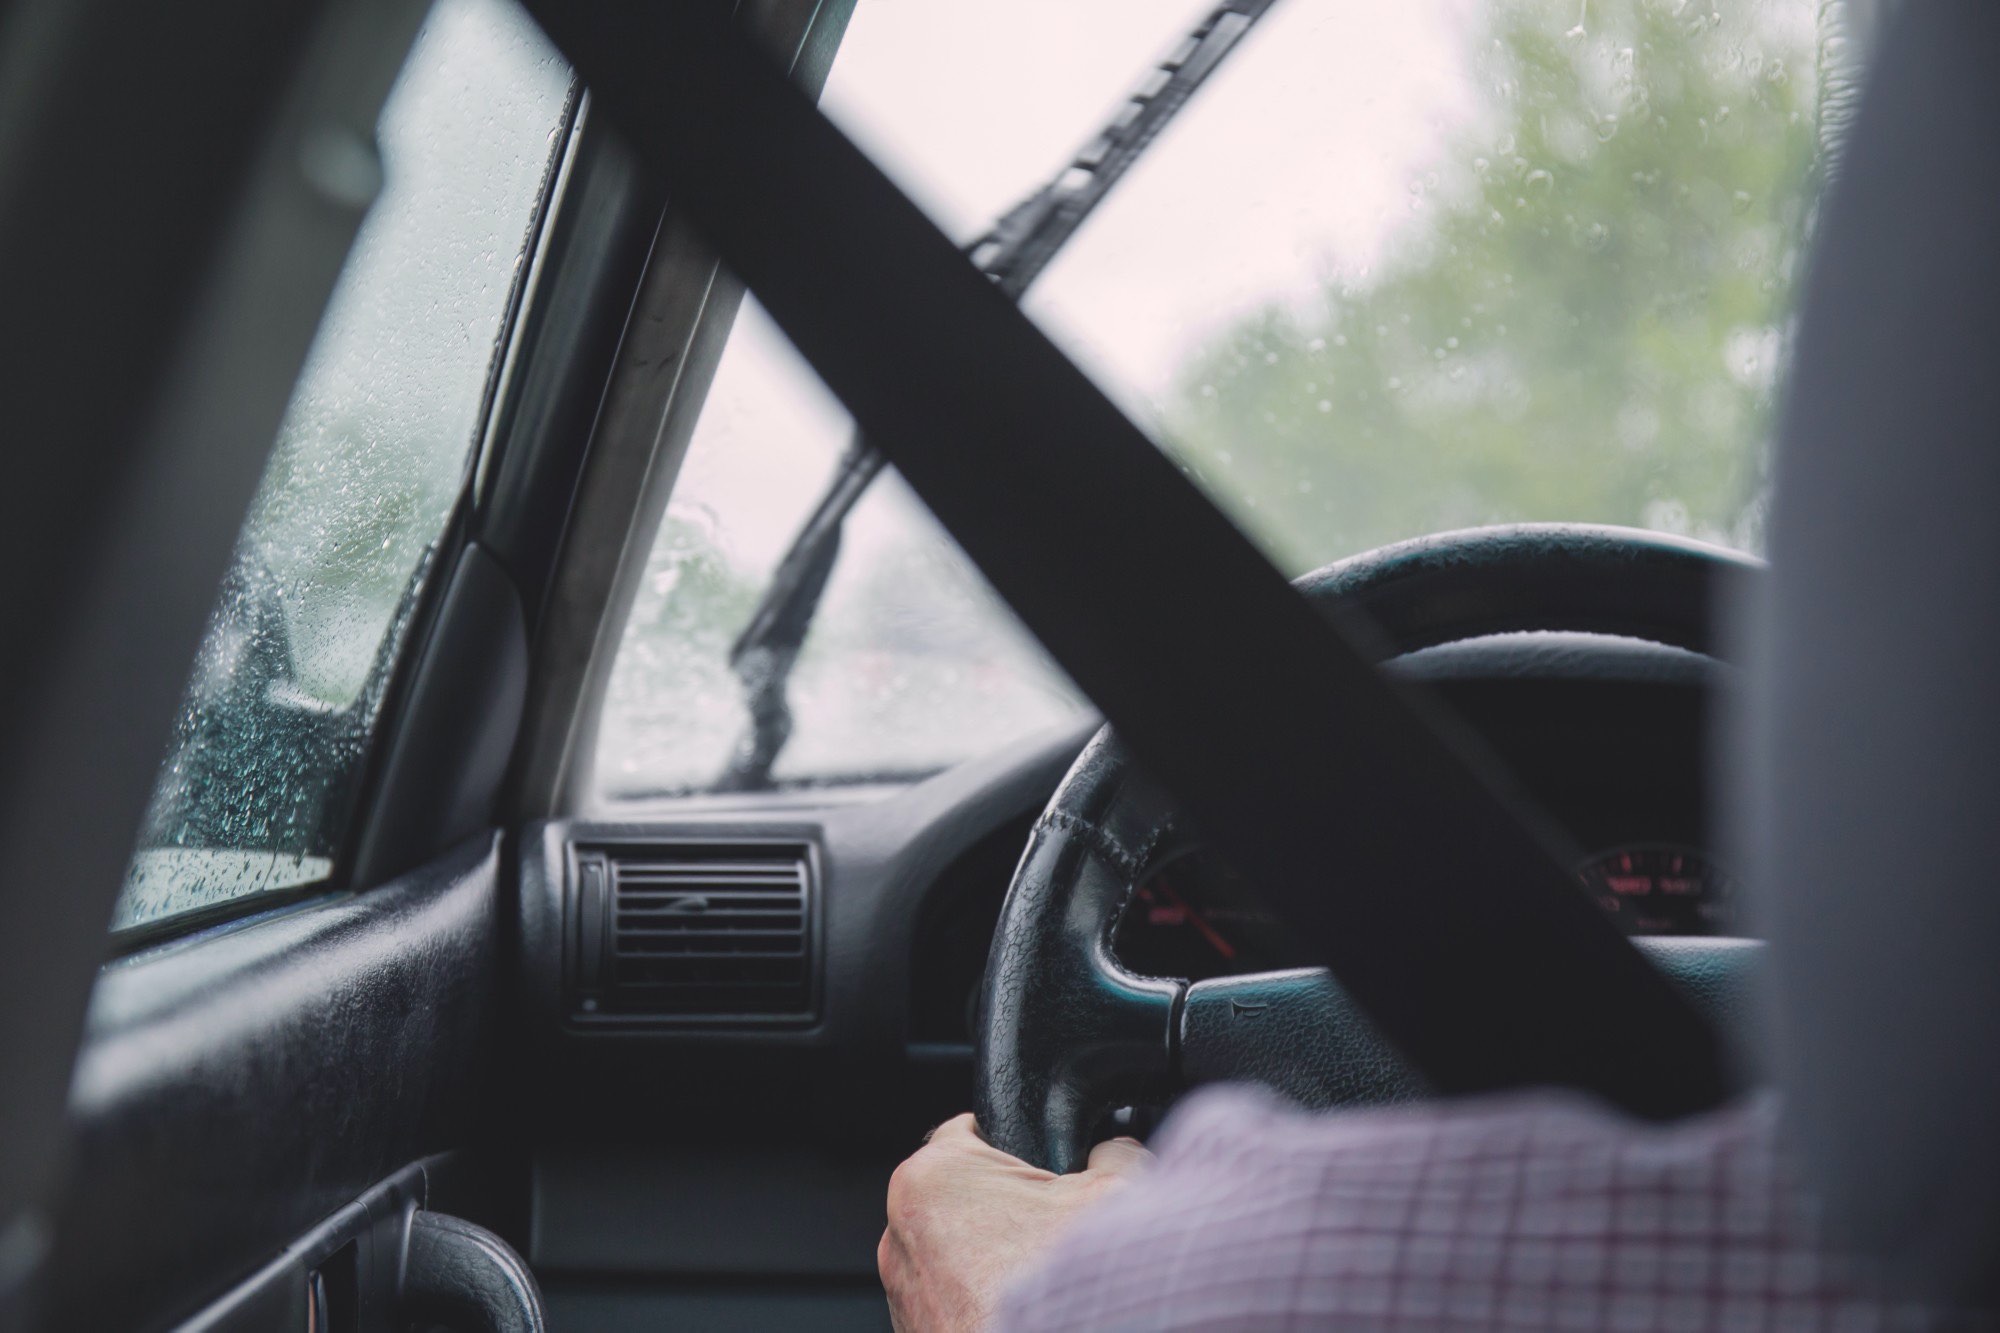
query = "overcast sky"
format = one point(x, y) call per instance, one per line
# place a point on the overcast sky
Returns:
point(1296, 160)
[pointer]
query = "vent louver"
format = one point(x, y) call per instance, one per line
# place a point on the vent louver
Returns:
point(694, 931)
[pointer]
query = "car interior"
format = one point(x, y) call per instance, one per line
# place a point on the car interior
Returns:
point(611, 622)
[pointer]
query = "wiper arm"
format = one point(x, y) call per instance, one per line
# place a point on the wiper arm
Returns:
point(1013, 252)
point(765, 652)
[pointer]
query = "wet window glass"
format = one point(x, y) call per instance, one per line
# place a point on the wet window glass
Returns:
point(1400, 268)
point(1442, 263)
point(260, 774)
point(912, 662)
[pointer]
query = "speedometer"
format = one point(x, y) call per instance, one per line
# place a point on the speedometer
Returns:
point(1195, 917)
point(1662, 888)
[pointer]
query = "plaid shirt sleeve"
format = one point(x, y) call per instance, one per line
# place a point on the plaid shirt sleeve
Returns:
point(1533, 1211)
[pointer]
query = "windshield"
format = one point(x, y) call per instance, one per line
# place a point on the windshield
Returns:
point(1441, 263)
point(1398, 269)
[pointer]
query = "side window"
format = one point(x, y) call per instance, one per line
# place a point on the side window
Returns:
point(260, 775)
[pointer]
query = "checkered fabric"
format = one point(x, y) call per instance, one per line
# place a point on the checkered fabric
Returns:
point(1534, 1211)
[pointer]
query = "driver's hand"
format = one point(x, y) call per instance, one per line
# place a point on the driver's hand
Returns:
point(965, 1219)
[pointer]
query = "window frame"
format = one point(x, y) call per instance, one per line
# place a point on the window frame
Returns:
point(679, 311)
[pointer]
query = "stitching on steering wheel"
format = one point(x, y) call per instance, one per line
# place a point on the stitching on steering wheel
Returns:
point(1129, 863)
point(1100, 842)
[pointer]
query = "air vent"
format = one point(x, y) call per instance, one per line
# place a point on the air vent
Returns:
point(693, 932)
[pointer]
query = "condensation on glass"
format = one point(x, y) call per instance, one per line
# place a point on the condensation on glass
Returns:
point(1399, 269)
point(259, 778)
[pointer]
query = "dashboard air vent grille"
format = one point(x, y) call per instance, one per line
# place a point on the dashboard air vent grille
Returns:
point(696, 931)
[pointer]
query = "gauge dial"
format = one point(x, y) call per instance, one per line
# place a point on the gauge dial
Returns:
point(1196, 918)
point(1661, 888)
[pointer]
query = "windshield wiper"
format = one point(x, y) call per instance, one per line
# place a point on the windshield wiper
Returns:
point(1013, 252)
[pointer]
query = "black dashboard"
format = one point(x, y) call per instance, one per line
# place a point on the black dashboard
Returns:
point(732, 957)
point(741, 1012)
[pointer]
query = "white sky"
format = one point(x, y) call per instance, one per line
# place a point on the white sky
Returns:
point(1297, 160)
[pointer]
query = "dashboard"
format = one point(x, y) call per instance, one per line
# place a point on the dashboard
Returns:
point(877, 907)
point(682, 1127)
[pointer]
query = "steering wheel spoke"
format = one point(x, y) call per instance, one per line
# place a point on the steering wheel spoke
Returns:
point(1299, 1034)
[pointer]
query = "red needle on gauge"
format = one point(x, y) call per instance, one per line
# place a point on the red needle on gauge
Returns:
point(1208, 932)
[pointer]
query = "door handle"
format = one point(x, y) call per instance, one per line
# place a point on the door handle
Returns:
point(465, 1277)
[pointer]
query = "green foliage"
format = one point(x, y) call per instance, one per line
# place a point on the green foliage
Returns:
point(1586, 326)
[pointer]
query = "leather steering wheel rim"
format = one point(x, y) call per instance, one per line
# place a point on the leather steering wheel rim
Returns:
point(1067, 1031)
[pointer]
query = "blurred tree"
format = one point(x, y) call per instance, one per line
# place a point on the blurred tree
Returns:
point(1590, 323)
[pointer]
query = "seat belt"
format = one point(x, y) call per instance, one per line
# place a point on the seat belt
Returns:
point(1374, 826)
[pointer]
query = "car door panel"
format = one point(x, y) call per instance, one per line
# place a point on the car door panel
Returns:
point(241, 1085)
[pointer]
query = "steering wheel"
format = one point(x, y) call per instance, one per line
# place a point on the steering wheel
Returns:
point(1067, 1032)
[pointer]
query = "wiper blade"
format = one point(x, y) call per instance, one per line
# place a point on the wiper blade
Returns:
point(1013, 252)
point(1016, 249)
point(767, 649)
